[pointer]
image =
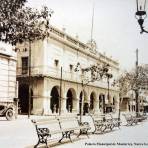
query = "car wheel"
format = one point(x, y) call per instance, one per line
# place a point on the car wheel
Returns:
point(9, 114)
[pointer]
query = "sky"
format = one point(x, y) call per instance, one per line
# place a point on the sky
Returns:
point(115, 28)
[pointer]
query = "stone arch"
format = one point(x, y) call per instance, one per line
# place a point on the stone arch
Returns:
point(108, 103)
point(108, 98)
point(24, 98)
point(92, 100)
point(54, 102)
point(114, 100)
point(115, 103)
point(102, 102)
point(71, 96)
point(85, 104)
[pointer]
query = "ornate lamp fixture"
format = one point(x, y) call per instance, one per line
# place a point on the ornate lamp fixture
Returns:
point(108, 76)
point(141, 15)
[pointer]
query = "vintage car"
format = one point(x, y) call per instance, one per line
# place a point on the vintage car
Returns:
point(8, 109)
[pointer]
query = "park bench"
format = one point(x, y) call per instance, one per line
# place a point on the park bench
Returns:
point(46, 128)
point(116, 121)
point(142, 116)
point(138, 117)
point(72, 124)
point(111, 123)
point(102, 123)
point(65, 126)
point(130, 119)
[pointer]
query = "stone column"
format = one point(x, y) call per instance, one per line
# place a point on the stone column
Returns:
point(37, 105)
point(127, 106)
point(63, 106)
point(46, 106)
point(75, 108)
point(46, 92)
point(96, 107)
point(117, 105)
point(88, 107)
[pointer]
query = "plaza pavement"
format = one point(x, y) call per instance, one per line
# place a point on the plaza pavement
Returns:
point(21, 133)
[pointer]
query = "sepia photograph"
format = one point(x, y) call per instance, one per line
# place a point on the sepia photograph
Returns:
point(73, 74)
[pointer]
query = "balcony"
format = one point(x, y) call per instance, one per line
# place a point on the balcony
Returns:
point(55, 73)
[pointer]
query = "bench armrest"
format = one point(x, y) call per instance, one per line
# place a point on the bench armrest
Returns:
point(43, 131)
point(85, 124)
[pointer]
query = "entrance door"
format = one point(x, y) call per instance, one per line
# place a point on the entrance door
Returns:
point(54, 104)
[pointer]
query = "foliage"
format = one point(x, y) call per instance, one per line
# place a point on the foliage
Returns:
point(132, 80)
point(19, 23)
point(10, 7)
point(93, 73)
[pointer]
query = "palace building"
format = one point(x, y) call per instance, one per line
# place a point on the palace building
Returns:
point(55, 86)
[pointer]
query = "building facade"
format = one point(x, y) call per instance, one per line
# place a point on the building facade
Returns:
point(55, 86)
point(8, 87)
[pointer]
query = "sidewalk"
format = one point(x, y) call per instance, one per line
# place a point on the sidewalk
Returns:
point(127, 137)
point(17, 134)
point(21, 134)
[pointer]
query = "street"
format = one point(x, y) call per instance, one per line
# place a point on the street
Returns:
point(21, 134)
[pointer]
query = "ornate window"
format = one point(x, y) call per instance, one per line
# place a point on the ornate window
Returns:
point(56, 62)
point(24, 65)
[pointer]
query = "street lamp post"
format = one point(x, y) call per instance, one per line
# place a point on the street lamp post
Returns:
point(140, 14)
point(109, 76)
point(81, 101)
point(137, 85)
point(78, 68)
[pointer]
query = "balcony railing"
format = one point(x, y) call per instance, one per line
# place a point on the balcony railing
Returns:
point(67, 75)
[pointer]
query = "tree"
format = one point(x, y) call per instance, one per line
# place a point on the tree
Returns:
point(19, 23)
point(130, 81)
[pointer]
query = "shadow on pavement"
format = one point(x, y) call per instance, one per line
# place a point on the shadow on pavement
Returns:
point(56, 143)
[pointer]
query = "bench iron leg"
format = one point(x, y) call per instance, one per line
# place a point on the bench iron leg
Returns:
point(83, 131)
point(66, 134)
point(69, 135)
point(37, 144)
point(46, 144)
point(63, 135)
point(41, 142)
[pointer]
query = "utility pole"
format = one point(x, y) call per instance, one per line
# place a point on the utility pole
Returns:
point(137, 87)
point(108, 76)
point(60, 90)
point(29, 101)
point(81, 102)
point(108, 91)
point(92, 23)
